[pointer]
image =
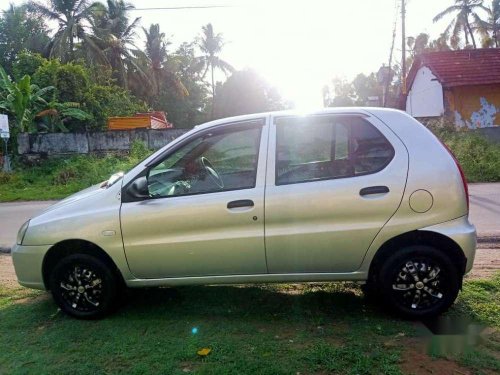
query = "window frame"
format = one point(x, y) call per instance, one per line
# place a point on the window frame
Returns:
point(349, 118)
point(259, 122)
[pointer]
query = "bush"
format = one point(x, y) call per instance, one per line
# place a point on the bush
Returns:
point(108, 101)
point(479, 158)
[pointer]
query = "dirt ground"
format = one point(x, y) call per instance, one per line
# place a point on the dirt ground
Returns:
point(486, 263)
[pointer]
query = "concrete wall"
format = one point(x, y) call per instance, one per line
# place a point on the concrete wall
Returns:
point(474, 107)
point(57, 144)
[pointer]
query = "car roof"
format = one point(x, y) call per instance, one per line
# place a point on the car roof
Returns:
point(295, 112)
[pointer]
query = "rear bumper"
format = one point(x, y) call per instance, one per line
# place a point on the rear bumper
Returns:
point(28, 262)
point(463, 233)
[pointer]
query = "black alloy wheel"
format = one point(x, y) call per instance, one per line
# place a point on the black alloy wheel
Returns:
point(419, 281)
point(84, 287)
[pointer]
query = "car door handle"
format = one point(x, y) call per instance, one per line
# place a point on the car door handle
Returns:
point(373, 190)
point(240, 203)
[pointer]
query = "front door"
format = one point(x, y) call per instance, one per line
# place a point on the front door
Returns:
point(205, 213)
point(333, 182)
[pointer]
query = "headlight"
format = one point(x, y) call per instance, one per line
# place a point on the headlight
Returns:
point(22, 232)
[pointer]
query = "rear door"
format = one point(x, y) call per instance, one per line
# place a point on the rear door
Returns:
point(333, 181)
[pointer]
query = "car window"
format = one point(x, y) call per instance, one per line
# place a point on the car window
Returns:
point(218, 161)
point(326, 147)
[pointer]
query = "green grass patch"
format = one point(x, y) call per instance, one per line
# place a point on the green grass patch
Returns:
point(267, 329)
point(59, 177)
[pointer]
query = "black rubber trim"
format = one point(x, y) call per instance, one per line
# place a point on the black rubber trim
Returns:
point(240, 203)
point(374, 190)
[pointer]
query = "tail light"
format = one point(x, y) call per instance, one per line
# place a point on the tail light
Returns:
point(464, 180)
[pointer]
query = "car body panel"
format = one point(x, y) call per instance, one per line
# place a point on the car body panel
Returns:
point(327, 226)
point(196, 235)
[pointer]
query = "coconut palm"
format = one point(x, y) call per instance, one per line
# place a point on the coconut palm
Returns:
point(73, 17)
point(462, 10)
point(115, 35)
point(211, 45)
point(156, 53)
point(160, 68)
point(490, 28)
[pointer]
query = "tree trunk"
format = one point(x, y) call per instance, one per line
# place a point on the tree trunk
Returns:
point(470, 32)
point(213, 91)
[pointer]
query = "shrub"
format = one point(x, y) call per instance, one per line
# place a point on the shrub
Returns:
point(479, 158)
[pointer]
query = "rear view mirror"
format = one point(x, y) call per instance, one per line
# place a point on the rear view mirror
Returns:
point(139, 188)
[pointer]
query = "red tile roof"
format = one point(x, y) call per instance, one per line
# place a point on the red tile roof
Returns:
point(460, 68)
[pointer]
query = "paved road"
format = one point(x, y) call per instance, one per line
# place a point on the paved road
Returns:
point(484, 213)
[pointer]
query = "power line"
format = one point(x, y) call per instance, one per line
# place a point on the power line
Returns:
point(166, 8)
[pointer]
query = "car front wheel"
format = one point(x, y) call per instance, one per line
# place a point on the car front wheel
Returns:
point(419, 282)
point(83, 286)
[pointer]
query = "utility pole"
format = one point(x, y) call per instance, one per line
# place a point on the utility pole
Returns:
point(403, 47)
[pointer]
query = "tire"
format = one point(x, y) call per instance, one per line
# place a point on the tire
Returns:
point(419, 282)
point(84, 287)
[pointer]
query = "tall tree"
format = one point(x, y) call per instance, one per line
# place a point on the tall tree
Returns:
point(72, 17)
point(18, 32)
point(462, 11)
point(115, 34)
point(490, 28)
point(246, 92)
point(211, 45)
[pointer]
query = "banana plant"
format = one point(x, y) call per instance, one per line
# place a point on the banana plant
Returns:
point(58, 114)
point(22, 99)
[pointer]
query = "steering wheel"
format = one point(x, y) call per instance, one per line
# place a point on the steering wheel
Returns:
point(212, 172)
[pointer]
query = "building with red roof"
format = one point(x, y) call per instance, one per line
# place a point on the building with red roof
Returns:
point(463, 85)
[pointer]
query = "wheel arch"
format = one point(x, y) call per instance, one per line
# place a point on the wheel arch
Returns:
point(75, 246)
point(436, 240)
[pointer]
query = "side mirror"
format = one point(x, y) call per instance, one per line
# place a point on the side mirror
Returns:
point(139, 188)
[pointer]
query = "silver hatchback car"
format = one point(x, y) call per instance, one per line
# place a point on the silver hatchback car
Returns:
point(359, 194)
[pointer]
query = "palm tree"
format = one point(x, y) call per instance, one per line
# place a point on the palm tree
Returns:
point(161, 69)
point(211, 45)
point(72, 17)
point(492, 24)
point(156, 53)
point(462, 10)
point(116, 37)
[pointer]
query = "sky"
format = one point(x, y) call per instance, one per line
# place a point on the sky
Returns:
point(296, 45)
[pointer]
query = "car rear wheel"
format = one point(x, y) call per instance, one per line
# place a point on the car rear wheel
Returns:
point(419, 282)
point(83, 286)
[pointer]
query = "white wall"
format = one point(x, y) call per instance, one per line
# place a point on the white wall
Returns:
point(425, 98)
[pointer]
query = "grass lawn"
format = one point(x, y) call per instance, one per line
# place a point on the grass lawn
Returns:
point(269, 329)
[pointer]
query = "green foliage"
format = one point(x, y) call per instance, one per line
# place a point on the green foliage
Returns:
point(22, 99)
point(71, 80)
point(57, 115)
point(57, 178)
point(108, 101)
point(20, 31)
point(479, 158)
point(27, 63)
point(95, 102)
point(246, 92)
point(185, 107)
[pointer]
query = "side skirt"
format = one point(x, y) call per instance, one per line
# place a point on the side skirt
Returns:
point(244, 279)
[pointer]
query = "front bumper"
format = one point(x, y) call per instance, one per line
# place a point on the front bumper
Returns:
point(463, 233)
point(28, 262)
